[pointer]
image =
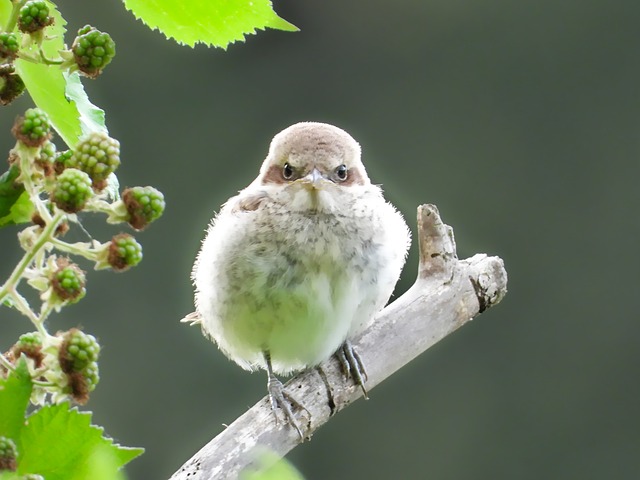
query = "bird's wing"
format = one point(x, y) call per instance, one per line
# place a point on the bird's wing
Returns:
point(248, 201)
point(193, 318)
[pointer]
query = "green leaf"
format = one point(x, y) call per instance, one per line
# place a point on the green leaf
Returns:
point(15, 392)
point(21, 211)
point(102, 465)
point(215, 23)
point(5, 11)
point(269, 466)
point(14, 201)
point(91, 117)
point(46, 86)
point(59, 443)
point(10, 476)
point(68, 107)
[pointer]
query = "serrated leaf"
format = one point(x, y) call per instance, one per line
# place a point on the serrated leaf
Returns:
point(102, 465)
point(47, 86)
point(15, 392)
point(91, 117)
point(215, 23)
point(58, 443)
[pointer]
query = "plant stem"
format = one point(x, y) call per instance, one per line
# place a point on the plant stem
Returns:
point(89, 253)
point(23, 307)
point(48, 61)
point(27, 158)
point(13, 18)
point(6, 363)
point(16, 275)
point(44, 313)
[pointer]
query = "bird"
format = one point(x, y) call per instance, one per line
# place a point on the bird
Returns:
point(299, 262)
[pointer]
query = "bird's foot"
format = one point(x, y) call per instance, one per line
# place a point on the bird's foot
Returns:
point(281, 399)
point(352, 365)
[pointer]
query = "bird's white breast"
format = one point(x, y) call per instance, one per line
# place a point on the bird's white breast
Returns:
point(295, 282)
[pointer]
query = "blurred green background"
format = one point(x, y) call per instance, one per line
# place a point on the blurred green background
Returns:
point(520, 120)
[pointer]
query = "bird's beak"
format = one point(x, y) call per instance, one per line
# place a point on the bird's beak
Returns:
point(314, 178)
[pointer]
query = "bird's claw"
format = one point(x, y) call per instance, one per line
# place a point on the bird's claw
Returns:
point(279, 398)
point(352, 365)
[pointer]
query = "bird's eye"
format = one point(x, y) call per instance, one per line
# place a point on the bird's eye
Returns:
point(341, 172)
point(287, 172)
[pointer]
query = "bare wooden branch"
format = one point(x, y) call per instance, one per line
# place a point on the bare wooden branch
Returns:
point(447, 294)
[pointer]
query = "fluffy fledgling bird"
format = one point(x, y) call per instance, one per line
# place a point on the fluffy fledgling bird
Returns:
point(299, 261)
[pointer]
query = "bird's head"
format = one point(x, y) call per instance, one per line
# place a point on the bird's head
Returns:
point(313, 164)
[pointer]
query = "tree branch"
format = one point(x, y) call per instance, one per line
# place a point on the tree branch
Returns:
point(447, 294)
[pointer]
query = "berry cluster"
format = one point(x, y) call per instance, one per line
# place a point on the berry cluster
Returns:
point(96, 154)
point(34, 16)
point(33, 129)
point(11, 83)
point(29, 345)
point(46, 158)
point(72, 190)
point(144, 205)
point(123, 252)
point(9, 46)
point(8, 455)
point(62, 161)
point(78, 357)
point(68, 281)
point(92, 50)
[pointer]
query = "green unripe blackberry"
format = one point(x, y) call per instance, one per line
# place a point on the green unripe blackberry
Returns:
point(47, 152)
point(29, 341)
point(11, 84)
point(8, 455)
point(46, 158)
point(72, 190)
point(80, 384)
point(124, 252)
point(62, 161)
point(78, 350)
point(144, 205)
point(78, 357)
point(92, 375)
point(9, 45)
point(30, 345)
point(93, 50)
point(68, 281)
point(34, 16)
point(98, 155)
point(33, 129)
